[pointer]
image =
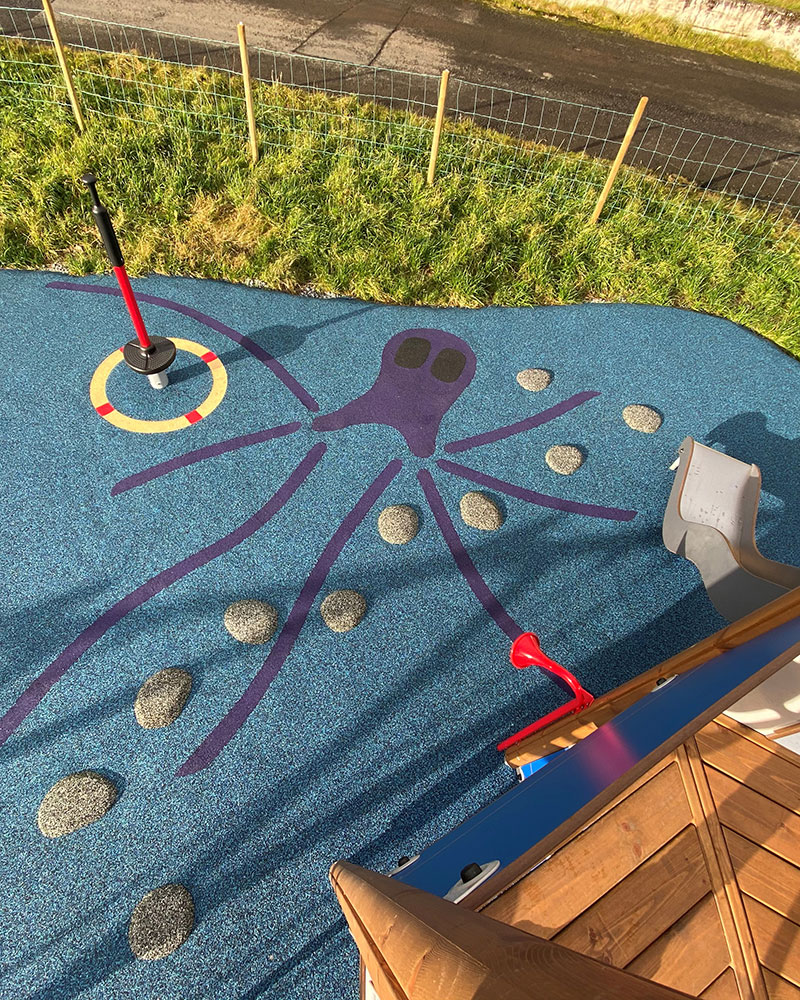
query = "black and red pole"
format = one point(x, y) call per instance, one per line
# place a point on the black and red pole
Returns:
point(150, 356)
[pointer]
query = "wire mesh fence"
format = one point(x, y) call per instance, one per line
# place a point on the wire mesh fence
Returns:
point(512, 139)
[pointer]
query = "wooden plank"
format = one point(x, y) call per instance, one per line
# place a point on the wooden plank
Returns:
point(790, 730)
point(629, 918)
point(733, 918)
point(417, 946)
point(692, 953)
point(755, 817)
point(779, 988)
point(723, 988)
point(777, 940)
point(594, 861)
point(530, 821)
point(755, 766)
point(759, 739)
point(766, 877)
point(564, 733)
point(560, 734)
point(634, 785)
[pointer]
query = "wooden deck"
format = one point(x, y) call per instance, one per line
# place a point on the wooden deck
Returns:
point(658, 859)
point(690, 878)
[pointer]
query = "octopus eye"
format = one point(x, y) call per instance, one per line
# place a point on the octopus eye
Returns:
point(448, 365)
point(413, 352)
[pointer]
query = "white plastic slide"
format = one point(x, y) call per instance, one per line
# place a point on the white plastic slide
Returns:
point(710, 520)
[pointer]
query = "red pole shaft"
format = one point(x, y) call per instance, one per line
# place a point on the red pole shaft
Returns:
point(133, 308)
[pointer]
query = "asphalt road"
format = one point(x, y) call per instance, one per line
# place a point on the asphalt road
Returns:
point(549, 57)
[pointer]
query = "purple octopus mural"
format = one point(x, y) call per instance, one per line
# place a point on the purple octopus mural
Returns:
point(422, 374)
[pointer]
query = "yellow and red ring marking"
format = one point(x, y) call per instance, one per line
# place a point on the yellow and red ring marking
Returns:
point(106, 409)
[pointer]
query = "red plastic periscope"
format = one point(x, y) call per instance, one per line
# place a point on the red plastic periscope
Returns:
point(526, 652)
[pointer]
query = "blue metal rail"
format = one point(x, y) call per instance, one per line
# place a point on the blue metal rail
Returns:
point(662, 720)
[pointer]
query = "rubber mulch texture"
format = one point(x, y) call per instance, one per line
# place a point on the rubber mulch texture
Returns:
point(125, 541)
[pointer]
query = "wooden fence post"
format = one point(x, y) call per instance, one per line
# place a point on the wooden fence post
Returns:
point(62, 61)
point(248, 93)
point(623, 149)
point(437, 128)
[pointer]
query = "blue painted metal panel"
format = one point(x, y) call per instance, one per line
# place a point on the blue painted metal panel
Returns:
point(531, 810)
point(528, 770)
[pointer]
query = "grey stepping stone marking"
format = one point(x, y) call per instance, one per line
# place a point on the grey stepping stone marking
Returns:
point(534, 379)
point(342, 610)
point(161, 922)
point(642, 418)
point(74, 802)
point(398, 525)
point(564, 458)
point(161, 698)
point(479, 511)
point(251, 621)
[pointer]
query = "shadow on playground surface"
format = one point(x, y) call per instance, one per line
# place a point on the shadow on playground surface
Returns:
point(318, 745)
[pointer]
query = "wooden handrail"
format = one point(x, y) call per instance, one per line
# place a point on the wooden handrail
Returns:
point(417, 946)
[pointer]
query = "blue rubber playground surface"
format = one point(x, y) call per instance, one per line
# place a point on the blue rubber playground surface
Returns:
point(296, 421)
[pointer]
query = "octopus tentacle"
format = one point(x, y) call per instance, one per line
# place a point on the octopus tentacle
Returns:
point(37, 690)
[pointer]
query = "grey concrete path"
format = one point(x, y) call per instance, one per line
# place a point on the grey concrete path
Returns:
point(542, 55)
point(546, 56)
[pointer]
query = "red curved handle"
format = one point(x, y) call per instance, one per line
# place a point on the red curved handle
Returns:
point(526, 652)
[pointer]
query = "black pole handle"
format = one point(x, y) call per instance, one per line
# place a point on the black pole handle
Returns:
point(103, 221)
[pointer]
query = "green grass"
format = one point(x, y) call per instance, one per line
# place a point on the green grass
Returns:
point(791, 5)
point(661, 29)
point(339, 200)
